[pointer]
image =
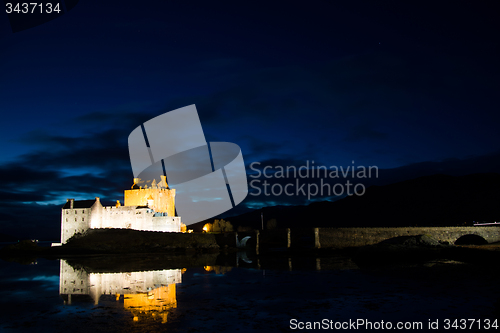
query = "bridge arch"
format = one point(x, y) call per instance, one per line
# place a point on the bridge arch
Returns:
point(243, 242)
point(471, 239)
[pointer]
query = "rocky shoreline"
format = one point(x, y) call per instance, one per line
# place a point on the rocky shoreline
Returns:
point(116, 241)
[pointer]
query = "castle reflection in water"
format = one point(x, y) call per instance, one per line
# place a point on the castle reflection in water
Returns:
point(144, 294)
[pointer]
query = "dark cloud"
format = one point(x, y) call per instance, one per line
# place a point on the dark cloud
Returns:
point(36, 184)
point(103, 150)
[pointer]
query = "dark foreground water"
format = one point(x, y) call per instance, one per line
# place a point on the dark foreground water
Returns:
point(53, 296)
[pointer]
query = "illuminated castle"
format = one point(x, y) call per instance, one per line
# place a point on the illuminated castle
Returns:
point(148, 206)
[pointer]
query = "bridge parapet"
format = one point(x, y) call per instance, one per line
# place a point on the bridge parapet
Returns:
point(354, 237)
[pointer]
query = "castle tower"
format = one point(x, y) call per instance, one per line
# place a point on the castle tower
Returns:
point(157, 196)
point(151, 201)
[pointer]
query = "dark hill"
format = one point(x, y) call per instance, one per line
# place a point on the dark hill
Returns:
point(7, 238)
point(436, 200)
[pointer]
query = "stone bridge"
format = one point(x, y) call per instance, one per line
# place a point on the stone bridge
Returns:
point(348, 237)
point(353, 237)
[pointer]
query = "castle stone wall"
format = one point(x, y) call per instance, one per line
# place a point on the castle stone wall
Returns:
point(162, 223)
point(125, 217)
point(74, 221)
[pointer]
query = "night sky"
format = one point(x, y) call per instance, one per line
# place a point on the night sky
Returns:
point(411, 88)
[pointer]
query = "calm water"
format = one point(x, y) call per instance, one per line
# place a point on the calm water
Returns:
point(53, 296)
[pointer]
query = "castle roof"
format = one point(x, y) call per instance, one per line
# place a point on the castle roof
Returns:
point(79, 204)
